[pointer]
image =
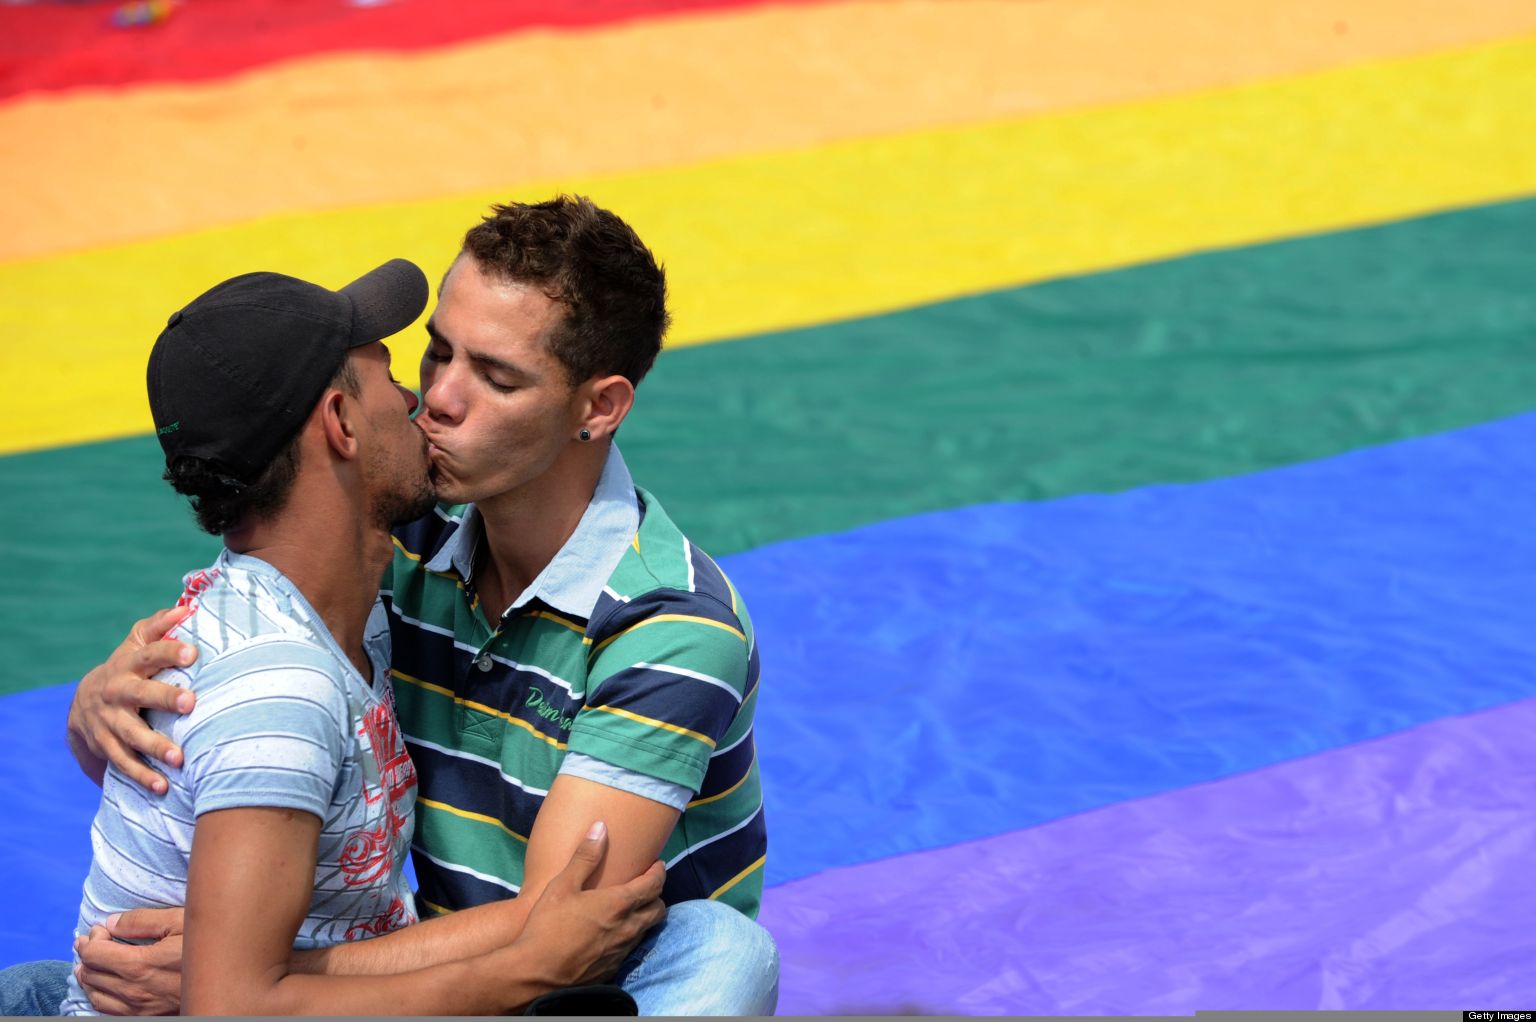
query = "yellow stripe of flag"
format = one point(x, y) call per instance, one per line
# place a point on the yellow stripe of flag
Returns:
point(863, 227)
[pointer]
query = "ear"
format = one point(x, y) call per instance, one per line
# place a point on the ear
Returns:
point(338, 424)
point(605, 402)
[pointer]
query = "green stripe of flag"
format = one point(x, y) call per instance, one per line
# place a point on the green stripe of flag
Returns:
point(1211, 365)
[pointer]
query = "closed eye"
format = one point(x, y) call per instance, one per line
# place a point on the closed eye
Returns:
point(437, 350)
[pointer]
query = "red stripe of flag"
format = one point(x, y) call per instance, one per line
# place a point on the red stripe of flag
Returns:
point(50, 46)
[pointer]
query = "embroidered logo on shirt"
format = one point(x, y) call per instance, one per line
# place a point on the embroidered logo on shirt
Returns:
point(548, 710)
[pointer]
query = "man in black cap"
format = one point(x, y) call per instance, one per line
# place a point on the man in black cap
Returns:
point(288, 822)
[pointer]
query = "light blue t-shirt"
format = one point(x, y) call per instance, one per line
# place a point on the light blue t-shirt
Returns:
point(283, 720)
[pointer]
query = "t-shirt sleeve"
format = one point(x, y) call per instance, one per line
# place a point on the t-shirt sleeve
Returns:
point(667, 678)
point(270, 730)
point(576, 764)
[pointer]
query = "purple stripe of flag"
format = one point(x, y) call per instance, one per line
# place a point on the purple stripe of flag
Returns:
point(1393, 874)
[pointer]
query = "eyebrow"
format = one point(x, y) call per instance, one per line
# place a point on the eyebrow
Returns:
point(479, 358)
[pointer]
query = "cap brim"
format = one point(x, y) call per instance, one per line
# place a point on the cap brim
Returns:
point(386, 300)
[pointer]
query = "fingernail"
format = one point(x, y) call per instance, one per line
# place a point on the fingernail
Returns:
point(184, 655)
point(112, 920)
point(184, 701)
point(598, 830)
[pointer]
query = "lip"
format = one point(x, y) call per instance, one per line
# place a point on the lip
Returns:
point(431, 440)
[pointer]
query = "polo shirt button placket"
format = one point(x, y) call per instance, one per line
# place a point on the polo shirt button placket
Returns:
point(483, 658)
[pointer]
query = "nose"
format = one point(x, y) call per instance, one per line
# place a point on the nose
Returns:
point(440, 393)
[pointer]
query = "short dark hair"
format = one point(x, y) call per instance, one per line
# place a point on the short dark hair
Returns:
point(222, 503)
point(586, 258)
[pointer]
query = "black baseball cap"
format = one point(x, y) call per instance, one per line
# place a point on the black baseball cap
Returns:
point(234, 375)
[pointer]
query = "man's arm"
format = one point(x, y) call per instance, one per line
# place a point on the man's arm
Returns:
point(464, 934)
point(249, 887)
point(133, 964)
point(637, 829)
point(667, 684)
point(144, 979)
point(570, 935)
point(637, 826)
point(104, 721)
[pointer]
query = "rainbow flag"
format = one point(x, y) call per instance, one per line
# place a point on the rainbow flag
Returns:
point(1118, 416)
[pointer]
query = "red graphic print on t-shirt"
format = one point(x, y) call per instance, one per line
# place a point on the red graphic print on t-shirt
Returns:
point(369, 854)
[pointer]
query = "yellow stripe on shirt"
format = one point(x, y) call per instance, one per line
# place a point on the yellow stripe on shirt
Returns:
point(652, 722)
point(719, 795)
point(660, 618)
point(465, 814)
point(470, 704)
point(738, 878)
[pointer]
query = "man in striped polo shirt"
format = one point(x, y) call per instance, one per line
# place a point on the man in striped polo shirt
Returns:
point(562, 653)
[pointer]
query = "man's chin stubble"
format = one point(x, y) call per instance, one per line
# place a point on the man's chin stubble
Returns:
point(402, 508)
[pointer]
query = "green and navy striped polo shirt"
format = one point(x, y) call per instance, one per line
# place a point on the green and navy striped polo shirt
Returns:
point(659, 678)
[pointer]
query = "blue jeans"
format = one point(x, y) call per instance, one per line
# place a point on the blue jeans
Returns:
point(33, 988)
point(704, 959)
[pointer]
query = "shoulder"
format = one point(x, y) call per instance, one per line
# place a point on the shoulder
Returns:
point(663, 572)
point(290, 697)
point(240, 616)
point(274, 726)
point(272, 675)
point(668, 605)
point(274, 653)
point(673, 663)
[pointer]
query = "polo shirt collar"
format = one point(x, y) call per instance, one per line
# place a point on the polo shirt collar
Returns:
point(572, 582)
